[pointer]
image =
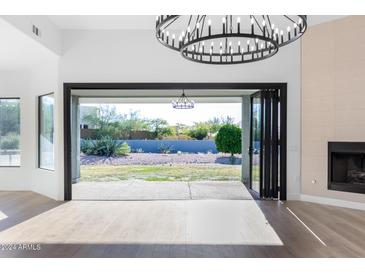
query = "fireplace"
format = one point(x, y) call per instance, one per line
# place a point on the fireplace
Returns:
point(346, 166)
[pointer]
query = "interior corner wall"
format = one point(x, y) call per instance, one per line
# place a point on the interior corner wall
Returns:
point(333, 98)
point(136, 56)
point(28, 85)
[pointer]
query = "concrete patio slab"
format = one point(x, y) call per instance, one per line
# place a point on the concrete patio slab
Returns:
point(141, 190)
point(218, 190)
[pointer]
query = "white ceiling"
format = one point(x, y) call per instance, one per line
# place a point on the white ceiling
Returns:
point(104, 22)
point(215, 95)
point(157, 100)
point(140, 22)
point(150, 96)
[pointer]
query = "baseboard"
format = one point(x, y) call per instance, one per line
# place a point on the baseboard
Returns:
point(332, 202)
point(293, 196)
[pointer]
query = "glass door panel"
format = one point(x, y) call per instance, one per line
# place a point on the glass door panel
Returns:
point(256, 142)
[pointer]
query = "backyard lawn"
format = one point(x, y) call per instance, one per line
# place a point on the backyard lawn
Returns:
point(162, 172)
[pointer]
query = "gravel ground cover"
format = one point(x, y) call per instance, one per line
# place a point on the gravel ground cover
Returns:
point(157, 159)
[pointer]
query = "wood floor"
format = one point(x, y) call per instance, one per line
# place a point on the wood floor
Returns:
point(191, 228)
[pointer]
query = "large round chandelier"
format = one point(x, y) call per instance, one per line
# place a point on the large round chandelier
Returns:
point(228, 39)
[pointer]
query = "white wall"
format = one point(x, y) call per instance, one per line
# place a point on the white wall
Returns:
point(136, 56)
point(50, 36)
point(29, 79)
point(43, 80)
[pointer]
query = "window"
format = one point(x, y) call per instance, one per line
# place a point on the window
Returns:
point(9, 132)
point(46, 131)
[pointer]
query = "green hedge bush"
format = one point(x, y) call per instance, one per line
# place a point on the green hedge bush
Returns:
point(228, 140)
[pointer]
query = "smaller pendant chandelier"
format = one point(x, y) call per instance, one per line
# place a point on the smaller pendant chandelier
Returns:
point(183, 102)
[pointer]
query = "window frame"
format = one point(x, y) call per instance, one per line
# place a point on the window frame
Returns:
point(20, 162)
point(39, 130)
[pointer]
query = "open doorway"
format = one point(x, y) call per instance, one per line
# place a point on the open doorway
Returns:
point(184, 173)
point(144, 149)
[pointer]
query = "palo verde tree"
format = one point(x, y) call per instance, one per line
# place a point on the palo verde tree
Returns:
point(228, 140)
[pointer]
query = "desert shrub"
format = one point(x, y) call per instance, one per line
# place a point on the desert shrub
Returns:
point(10, 141)
point(87, 146)
point(199, 132)
point(112, 130)
point(165, 149)
point(106, 146)
point(123, 149)
point(138, 150)
point(102, 146)
point(228, 139)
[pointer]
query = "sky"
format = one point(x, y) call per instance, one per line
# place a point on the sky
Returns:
point(200, 113)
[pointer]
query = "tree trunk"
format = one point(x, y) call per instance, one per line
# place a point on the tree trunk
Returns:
point(232, 159)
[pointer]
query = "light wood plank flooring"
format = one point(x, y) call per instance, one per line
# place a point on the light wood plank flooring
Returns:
point(190, 228)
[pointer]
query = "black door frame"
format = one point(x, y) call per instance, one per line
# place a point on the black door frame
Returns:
point(271, 142)
point(68, 87)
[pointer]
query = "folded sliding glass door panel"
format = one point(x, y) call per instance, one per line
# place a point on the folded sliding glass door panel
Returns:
point(256, 143)
point(268, 145)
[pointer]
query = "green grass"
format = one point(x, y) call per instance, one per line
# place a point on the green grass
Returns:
point(167, 173)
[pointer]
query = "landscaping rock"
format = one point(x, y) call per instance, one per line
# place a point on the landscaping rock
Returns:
point(156, 159)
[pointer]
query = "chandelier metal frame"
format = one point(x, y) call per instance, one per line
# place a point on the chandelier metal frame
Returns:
point(263, 40)
point(183, 102)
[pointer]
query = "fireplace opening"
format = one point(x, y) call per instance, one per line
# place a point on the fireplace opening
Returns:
point(346, 166)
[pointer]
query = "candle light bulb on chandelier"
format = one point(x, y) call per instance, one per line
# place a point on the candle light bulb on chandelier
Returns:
point(229, 36)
